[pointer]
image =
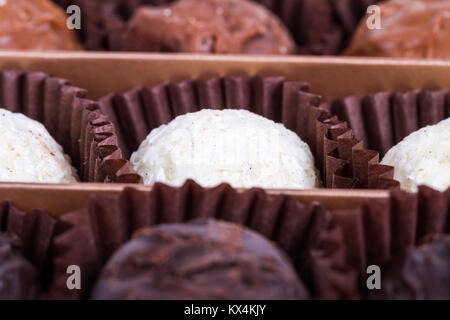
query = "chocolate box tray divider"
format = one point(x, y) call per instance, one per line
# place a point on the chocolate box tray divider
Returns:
point(103, 73)
point(58, 198)
point(331, 77)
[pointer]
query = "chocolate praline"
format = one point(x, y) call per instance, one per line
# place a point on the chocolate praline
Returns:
point(18, 277)
point(421, 273)
point(198, 260)
point(408, 29)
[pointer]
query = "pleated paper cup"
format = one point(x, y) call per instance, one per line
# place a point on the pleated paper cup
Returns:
point(340, 157)
point(75, 122)
point(382, 229)
point(383, 119)
point(34, 231)
point(320, 27)
point(304, 232)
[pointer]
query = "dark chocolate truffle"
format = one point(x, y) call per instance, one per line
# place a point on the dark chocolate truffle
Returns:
point(35, 25)
point(18, 277)
point(418, 274)
point(198, 260)
point(409, 29)
point(207, 26)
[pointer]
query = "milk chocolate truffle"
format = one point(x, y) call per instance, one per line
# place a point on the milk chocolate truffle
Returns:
point(207, 26)
point(34, 25)
point(18, 277)
point(423, 157)
point(198, 260)
point(410, 29)
point(422, 273)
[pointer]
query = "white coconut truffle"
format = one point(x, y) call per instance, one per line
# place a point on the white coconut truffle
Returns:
point(423, 157)
point(29, 154)
point(233, 146)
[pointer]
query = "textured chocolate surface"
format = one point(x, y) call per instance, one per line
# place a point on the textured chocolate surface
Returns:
point(418, 273)
point(381, 229)
point(18, 278)
point(319, 27)
point(214, 26)
point(198, 260)
point(349, 13)
point(35, 229)
point(100, 21)
point(94, 233)
point(410, 29)
point(35, 25)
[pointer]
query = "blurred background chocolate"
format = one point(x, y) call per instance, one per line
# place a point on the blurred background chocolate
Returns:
point(100, 20)
point(421, 273)
point(92, 235)
point(35, 25)
point(214, 26)
point(329, 250)
point(410, 29)
point(319, 27)
point(18, 277)
point(206, 259)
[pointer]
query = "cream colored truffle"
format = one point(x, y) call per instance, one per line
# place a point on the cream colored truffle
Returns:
point(423, 157)
point(233, 146)
point(29, 154)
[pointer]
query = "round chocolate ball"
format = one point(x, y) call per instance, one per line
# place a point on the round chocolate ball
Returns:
point(408, 29)
point(35, 25)
point(207, 26)
point(18, 277)
point(198, 260)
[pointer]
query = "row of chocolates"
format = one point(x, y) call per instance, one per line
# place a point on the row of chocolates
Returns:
point(320, 27)
point(197, 243)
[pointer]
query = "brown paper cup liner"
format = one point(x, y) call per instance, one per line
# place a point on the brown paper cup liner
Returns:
point(318, 26)
point(383, 228)
point(304, 232)
point(350, 12)
point(75, 122)
point(100, 21)
point(383, 119)
point(35, 231)
point(340, 157)
point(331, 251)
point(312, 23)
